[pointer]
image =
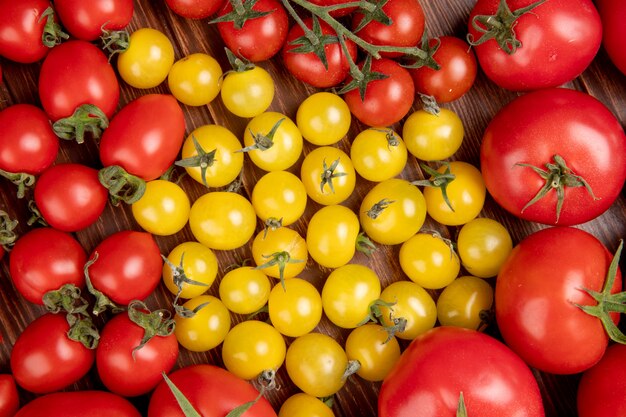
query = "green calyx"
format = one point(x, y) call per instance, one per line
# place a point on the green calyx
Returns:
point(378, 208)
point(461, 410)
point(154, 323)
point(242, 12)
point(102, 301)
point(439, 180)
point(202, 160)
point(500, 26)
point(372, 11)
point(557, 176)
point(428, 60)
point(313, 40)
point(180, 278)
point(364, 244)
point(262, 141)
point(329, 174)
point(398, 324)
point(362, 77)
point(52, 33)
point(114, 41)
point(122, 186)
point(22, 180)
point(86, 118)
point(280, 259)
point(7, 231)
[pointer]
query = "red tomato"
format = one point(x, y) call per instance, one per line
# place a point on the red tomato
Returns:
point(387, 100)
point(45, 259)
point(44, 359)
point(537, 290)
point(456, 74)
point(195, 9)
point(128, 371)
point(405, 30)
point(79, 404)
point(613, 15)
point(546, 55)
point(145, 136)
point(9, 397)
point(70, 196)
point(449, 361)
point(128, 267)
point(85, 20)
point(307, 67)
point(75, 73)
point(27, 142)
point(22, 30)
point(212, 391)
point(535, 127)
point(259, 38)
point(602, 388)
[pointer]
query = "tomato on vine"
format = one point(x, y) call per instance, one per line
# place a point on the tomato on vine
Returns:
point(195, 9)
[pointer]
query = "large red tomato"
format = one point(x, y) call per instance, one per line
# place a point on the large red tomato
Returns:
point(212, 391)
point(145, 136)
point(613, 15)
point(70, 196)
point(125, 367)
point(386, 100)
point(307, 66)
point(444, 362)
point(85, 20)
point(76, 73)
point(44, 359)
point(602, 388)
point(532, 131)
point(536, 51)
point(537, 293)
point(9, 397)
point(79, 404)
point(45, 259)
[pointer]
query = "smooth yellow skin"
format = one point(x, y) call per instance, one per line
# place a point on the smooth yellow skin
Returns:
point(304, 405)
point(323, 118)
point(248, 93)
point(461, 302)
point(296, 309)
point(195, 80)
point(429, 261)
point(413, 303)
point(376, 352)
point(199, 264)
point(374, 157)
point(431, 137)
point(279, 195)
point(163, 209)
point(148, 59)
point(332, 234)
point(207, 328)
point(245, 290)
point(484, 244)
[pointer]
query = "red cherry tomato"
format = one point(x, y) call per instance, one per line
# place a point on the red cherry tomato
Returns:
point(613, 15)
point(85, 20)
point(70, 196)
point(145, 136)
point(45, 259)
point(27, 142)
point(79, 404)
point(22, 30)
point(44, 359)
point(9, 397)
point(338, 12)
point(195, 9)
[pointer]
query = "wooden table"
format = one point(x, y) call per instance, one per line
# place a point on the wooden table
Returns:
point(357, 398)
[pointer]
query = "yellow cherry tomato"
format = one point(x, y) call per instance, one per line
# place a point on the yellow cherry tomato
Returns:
point(195, 80)
point(432, 137)
point(412, 303)
point(245, 290)
point(148, 59)
point(462, 302)
point(252, 347)
point(304, 405)
point(323, 118)
point(429, 260)
point(375, 349)
point(272, 141)
point(222, 220)
point(296, 308)
point(280, 253)
point(248, 92)
point(207, 328)
point(279, 198)
point(332, 235)
point(163, 209)
point(190, 270)
point(392, 211)
point(209, 155)
point(328, 175)
point(484, 244)
point(378, 154)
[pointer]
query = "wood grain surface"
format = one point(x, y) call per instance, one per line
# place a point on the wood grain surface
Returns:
point(476, 108)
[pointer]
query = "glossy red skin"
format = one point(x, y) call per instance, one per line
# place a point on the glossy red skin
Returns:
point(549, 56)
point(70, 196)
point(602, 388)
point(532, 129)
point(195, 9)
point(445, 361)
point(145, 136)
point(536, 290)
point(27, 142)
point(75, 73)
point(84, 20)
point(456, 74)
point(21, 31)
point(309, 68)
point(79, 404)
point(9, 397)
point(128, 267)
point(335, 13)
point(386, 101)
point(406, 29)
point(212, 391)
point(119, 371)
point(613, 16)
point(45, 360)
point(44, 259)
point(259, 39)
